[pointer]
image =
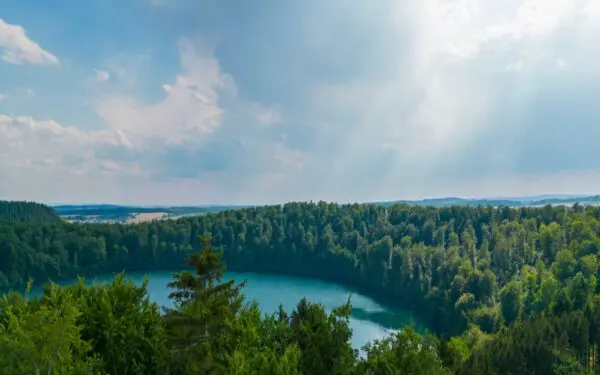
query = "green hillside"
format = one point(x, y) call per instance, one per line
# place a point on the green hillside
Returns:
point(26, 211)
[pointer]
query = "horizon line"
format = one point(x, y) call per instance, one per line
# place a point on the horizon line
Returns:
point(424, 199)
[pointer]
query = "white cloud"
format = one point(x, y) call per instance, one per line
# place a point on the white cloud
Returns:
point(45, 160)
point(428, 108)
point(3, 97)
point(23, 127)
point(441, 107)
point(190, 110)
point(139, 137)
point(101, 75)
point(269, 116)
point(453, 42)
point(111, 166)
point(515, 67)
point(126, 69)
point(17, 48)
point(466, 28)
point(31, 143)
point(560, 64)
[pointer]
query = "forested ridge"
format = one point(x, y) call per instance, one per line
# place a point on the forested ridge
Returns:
point(506, 291)
point(26, 211)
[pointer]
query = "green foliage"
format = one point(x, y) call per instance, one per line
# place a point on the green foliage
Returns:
point(543, 345)
point(262, 346)
point(506, 290)
point(43, 337)
point(26, 211)
point(114, 329)
point(202, 328)
point(122, 326)
point(324, 340)
point(405, 352)
point(511, 302)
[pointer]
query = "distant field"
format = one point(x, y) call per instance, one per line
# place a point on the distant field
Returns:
point(146, 216)
point(124, 214)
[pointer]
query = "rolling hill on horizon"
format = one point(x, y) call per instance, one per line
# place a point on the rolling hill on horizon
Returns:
point(541, 199)
point(132, 213)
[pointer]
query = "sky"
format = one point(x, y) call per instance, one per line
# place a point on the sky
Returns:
point(267, 101)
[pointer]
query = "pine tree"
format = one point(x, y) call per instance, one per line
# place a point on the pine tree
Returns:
point(201, 328)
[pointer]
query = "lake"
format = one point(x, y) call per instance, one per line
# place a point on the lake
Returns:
point(369, 319)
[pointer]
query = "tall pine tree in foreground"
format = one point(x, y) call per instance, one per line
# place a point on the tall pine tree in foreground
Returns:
point(201, 328)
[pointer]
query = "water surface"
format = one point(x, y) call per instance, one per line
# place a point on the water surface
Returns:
point(369, 319)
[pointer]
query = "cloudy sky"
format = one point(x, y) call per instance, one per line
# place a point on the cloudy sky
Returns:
point(227, 101)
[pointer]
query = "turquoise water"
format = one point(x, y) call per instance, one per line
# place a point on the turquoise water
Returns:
point(369, 319)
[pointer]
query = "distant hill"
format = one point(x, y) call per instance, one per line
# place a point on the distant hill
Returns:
point(537, 198)
point(129, 214)
point(541, 200)
point(110, 212)
point(107, 209)
point(101, 209)
point(26, 211)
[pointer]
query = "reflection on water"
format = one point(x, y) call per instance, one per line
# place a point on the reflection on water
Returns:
point(390, 319)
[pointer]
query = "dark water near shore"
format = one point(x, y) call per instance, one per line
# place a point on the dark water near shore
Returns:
point(369, 319)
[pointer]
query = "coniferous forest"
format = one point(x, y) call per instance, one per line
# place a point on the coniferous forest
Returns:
point(504, 291)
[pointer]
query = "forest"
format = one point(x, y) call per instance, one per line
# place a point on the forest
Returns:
point(503, 290)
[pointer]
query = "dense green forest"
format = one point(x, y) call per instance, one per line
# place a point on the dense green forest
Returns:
point(26, 211)
point(505, 291)
point(114, 329)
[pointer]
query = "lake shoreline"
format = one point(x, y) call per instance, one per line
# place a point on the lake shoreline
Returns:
point(369, 320)
point(385, 301)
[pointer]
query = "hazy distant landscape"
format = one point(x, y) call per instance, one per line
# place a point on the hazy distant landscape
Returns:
point(107, 213)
